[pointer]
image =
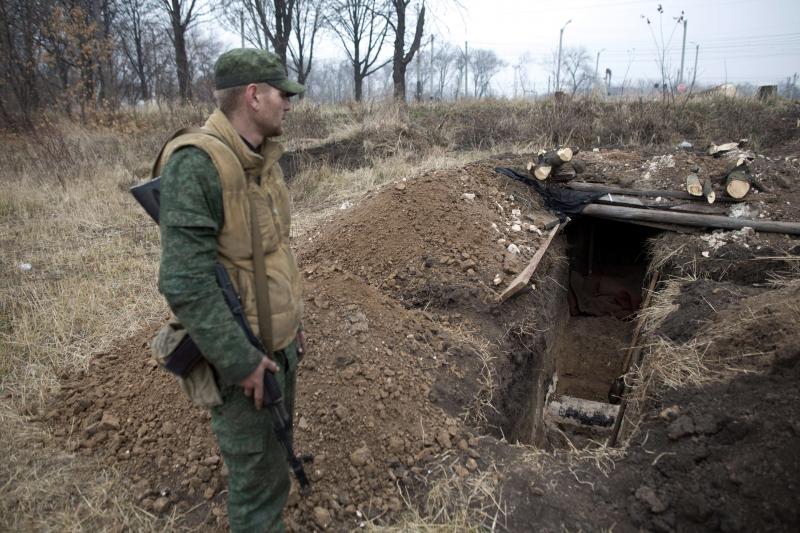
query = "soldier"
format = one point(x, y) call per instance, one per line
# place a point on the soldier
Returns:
point(220, 186)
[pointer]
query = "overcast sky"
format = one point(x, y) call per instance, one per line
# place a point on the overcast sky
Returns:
point(739, 40)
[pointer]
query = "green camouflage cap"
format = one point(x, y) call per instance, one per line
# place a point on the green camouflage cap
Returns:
point(241, 66)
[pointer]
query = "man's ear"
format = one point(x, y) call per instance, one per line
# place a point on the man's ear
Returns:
point(251, 96)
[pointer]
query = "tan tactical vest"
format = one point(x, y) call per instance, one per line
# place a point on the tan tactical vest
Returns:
point(239, 168)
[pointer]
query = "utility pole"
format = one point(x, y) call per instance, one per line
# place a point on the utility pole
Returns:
point(516, 76)
point(558, 63)
point(694, 73)
point(419, 80)
point(431, 81)
point(466, 65)
point(683, 51)
point(597, 64)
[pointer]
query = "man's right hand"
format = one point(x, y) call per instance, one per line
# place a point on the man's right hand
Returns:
point(253, 384)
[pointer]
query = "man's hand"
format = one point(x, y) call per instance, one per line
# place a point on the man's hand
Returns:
point(253, 384)
point(301, 344)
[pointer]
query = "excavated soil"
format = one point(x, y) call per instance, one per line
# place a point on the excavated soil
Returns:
point(412, 364)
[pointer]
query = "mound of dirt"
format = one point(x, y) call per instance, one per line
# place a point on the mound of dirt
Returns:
point(400, 294)
point(412, 364)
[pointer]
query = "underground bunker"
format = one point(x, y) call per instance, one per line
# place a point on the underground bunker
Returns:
point(573, 369)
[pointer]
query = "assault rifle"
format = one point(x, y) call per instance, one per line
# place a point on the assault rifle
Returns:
point(186, 355)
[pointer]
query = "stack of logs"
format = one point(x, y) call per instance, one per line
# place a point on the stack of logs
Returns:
point(556, 165)
point(737, 178)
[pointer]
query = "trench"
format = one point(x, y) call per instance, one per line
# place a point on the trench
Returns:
point(583, 353)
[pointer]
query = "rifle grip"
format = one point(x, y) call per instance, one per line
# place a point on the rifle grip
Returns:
point(272, 391)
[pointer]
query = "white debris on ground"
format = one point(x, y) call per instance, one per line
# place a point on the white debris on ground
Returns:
point(513, 248)
point(659, 162)
point(25, 267)
point(685, 145)
point(347, 204)
point(743, 210)
point(469, 196)
point(720, 238)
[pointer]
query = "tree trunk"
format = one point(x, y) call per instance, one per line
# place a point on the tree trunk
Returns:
point(181, 61)
point(401, 59)
point(283, 27)
point(140, 66)
point(358, 82)
point(398, 65)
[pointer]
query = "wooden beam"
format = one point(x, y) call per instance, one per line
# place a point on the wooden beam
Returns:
point(601, 188)
point(689, 219)
point(524, 277)
point(567, 410)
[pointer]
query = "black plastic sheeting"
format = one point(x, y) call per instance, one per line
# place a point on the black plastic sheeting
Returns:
point(561, 200)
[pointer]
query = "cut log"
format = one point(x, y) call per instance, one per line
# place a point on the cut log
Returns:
point(567, 410)
point(689, 219)
point(693, 185)
point(521, 281)
point(557, 157)
point(737, 183)
point(722, 148)
point(541, 171)
point(708, 191)
point(577, 164)
point(564, 172)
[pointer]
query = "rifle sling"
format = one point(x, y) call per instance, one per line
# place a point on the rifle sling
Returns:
point(263, 306)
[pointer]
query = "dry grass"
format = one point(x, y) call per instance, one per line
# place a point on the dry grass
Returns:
point(93, 260)
point(65, 210)
point(452, 503)
point(696, 362)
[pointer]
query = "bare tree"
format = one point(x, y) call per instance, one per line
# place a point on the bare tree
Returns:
point(662, 47)
point(307, 21)
point(484, 65)
point(401, 58)
point(183, 14)
point(578, 66)
point(361, 26)
point(445, 61)
point(19, 34)
point(203, 50)
point(266, 23)
point(134, 18)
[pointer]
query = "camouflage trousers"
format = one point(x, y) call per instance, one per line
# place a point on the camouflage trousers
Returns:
point(258, 480)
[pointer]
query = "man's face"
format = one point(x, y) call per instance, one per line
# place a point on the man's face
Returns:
point(273, 104)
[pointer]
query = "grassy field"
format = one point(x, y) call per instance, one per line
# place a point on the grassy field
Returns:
point(80, 259)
